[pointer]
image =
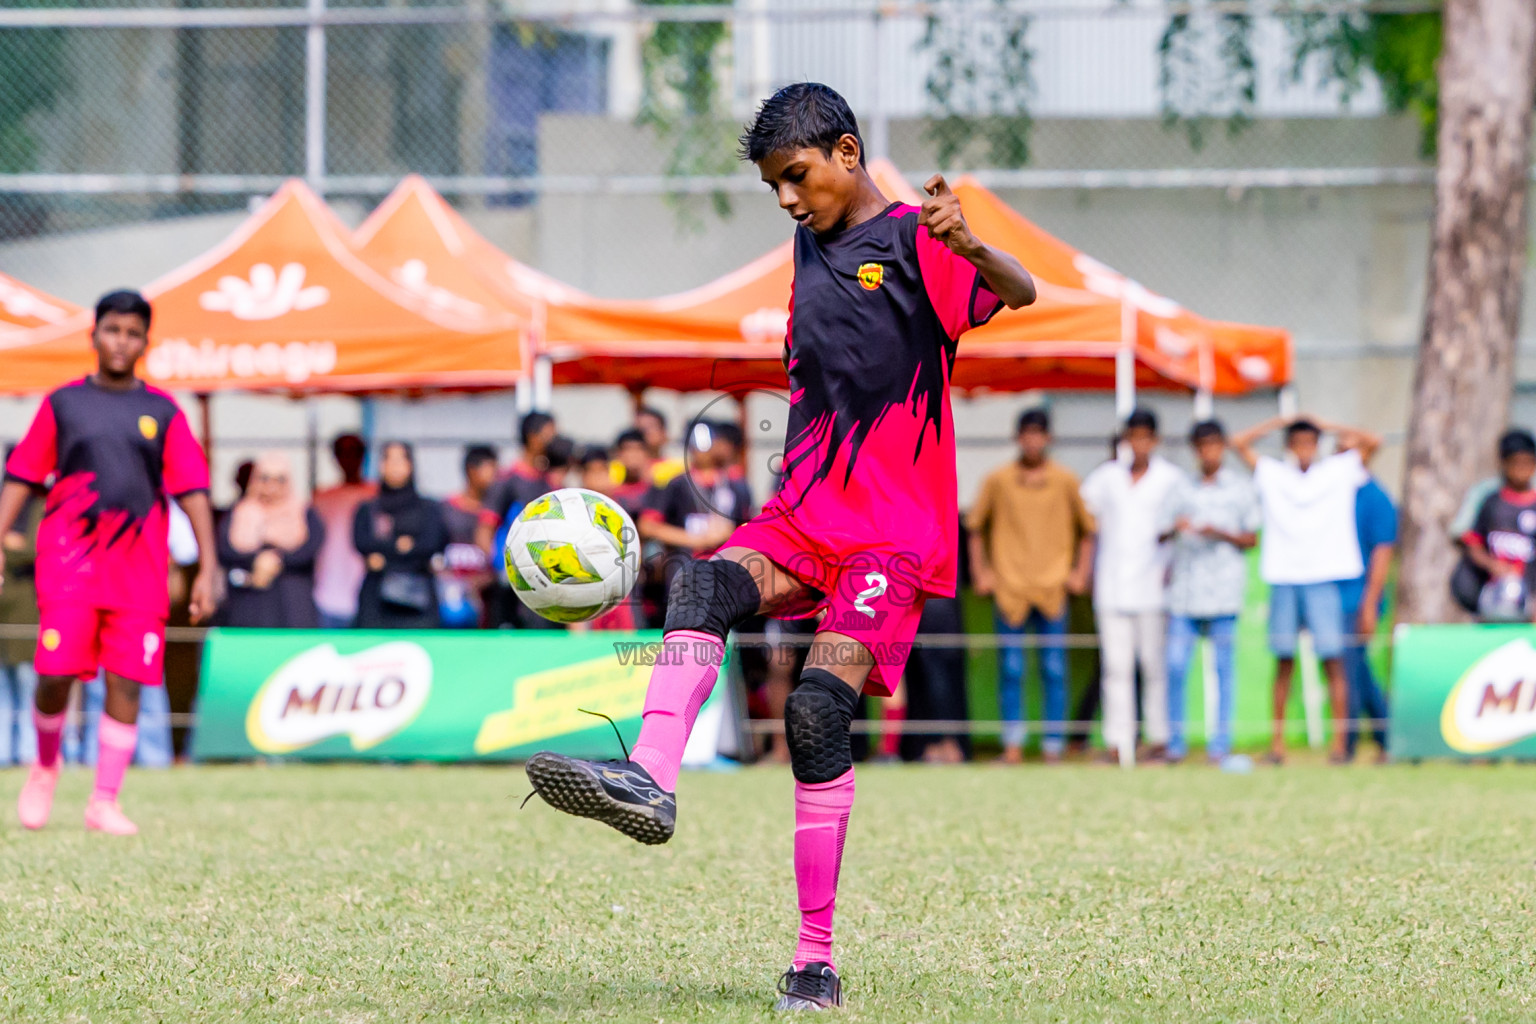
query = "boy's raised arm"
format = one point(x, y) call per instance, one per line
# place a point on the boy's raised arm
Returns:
point(1004, 274)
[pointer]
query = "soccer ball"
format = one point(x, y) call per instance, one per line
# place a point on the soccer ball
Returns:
point(1504, 600)
point(572, 555)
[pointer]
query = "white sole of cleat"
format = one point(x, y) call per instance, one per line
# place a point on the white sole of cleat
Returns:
point(570, 786)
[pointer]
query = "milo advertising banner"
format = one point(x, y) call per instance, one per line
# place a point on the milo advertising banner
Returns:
point(441, 695)
point(1464, 691)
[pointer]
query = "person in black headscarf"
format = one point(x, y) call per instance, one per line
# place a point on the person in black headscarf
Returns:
point(398, 533)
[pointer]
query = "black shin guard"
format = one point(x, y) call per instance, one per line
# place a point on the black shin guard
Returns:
point(817, 717)
point(711, 596)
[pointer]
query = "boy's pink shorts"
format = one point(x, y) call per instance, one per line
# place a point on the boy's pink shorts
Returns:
point(872, 596)
point(77, 639)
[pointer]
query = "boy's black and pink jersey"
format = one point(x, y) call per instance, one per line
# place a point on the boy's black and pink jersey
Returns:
point(1506, 528)
point(869, 459)
point(114, 456)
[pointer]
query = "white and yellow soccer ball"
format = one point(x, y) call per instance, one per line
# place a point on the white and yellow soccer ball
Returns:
point(572, 555)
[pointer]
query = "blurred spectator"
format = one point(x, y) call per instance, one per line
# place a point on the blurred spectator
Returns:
point(631, 466)
point(18, 606)
point(1128, 498)
point(935, 684)
point(1310, 545)
point(339, 568)
point(1031, 543)
point(1364, 599)
point(267, 545)
point(595, 470)
point(1214, 520)
point(652, 426)
point(1501, 543)
point(559, 460)
point(399, 533)
point(466, 573)
point(697, 511)
point(524, 480)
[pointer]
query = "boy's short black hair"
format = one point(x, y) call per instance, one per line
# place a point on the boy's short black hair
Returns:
point(591, 453)
point(560, 452)
point(342, 441)
point(652, 411)
point(806, 115)
point(1516, 442)
point(1302, 427)
point(1038, 418)
point(478, 455)
point(124, 301)
point(725, 430)
point(1141, 418)
point(531, 424)
point(630, 436)
point(1207, 429)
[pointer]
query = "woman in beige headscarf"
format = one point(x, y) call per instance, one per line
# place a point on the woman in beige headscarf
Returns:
point(267, 545)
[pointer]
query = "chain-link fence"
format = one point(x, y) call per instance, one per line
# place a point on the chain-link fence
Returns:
point(130, 109)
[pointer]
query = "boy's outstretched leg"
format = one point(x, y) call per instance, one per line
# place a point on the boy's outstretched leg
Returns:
point(706, 600)
point(817, 720)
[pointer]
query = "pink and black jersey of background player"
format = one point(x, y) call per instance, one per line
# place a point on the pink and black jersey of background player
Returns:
point(869, 459)
point(114, 457)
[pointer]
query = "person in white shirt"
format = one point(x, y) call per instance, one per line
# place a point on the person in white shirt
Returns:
point(1129, 497)
point(1310, 545)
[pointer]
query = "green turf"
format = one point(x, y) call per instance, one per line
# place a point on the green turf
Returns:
point(362, 894)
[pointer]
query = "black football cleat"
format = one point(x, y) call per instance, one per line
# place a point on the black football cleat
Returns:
point(617, 793)
point(815, 986)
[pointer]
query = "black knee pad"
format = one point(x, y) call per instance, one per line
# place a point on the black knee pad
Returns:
point(817, 717)
point(711, 596)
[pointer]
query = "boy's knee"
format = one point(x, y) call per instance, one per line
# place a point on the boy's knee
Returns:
point(711, 596)
point(818, 718)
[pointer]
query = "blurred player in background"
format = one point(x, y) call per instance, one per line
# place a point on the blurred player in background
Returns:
point(115, 449)
point(864, 526)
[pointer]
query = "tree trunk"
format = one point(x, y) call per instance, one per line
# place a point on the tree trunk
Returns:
point(1472, 312)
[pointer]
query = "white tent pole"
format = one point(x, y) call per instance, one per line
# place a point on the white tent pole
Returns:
point(1125, 361)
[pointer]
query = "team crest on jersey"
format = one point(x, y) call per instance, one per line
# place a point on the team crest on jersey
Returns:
point(149, 427)
point(870, 276)
point(51, 639)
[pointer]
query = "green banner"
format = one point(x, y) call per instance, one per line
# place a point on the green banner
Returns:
point(406, 696)
point(1464, 691)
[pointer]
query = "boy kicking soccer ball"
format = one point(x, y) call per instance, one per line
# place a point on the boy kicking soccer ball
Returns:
point(862, 530)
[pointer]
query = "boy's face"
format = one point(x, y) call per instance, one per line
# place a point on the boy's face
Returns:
point(595, 475)
point(1142, 441)
point(1303, 445)
point(1033, 442)
point(654, 432)
point(1209, 451)
point(634, 457)
point(481, 475)
point(119, 340)
point(1519, 469)
point(816, 189)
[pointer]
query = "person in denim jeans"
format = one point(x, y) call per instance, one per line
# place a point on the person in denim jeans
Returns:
point(1212, 521)
point(1031, 535)
point(18, 605)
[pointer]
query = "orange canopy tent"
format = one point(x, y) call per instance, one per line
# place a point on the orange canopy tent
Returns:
point(420, 237)
point(288, 303)
point(23, 307)
point(1087, 322)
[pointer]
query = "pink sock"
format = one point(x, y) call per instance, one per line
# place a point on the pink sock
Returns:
point(50, 730)
point(680, 684)
point(821, 825)
point(118, 740)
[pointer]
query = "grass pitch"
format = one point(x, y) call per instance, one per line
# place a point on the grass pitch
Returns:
point(363, 894)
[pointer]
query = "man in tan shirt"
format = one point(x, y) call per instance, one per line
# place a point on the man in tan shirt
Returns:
point(1030, 546)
